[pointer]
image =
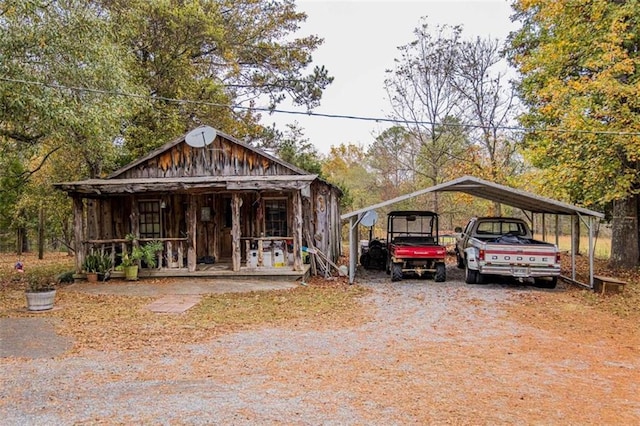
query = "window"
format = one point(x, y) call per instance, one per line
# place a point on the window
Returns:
point(149, 219)
point(501, 228)
point(275, 217)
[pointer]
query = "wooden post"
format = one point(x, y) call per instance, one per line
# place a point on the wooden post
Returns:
point(41, 234)
point(78, 231)
point(236, 232)
point(192, 226)
point(297, 231)
point(135, 225)
point(112, 255)
point(135, 214)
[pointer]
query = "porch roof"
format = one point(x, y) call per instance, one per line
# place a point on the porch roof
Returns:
point(184, 184)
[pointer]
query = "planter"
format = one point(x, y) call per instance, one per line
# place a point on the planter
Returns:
point(131, 273)
point(92, 277)
point(40, 301)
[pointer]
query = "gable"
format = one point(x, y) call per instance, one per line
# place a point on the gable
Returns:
point(225, 156)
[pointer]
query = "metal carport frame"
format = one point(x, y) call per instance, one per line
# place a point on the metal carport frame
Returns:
point(523, 200)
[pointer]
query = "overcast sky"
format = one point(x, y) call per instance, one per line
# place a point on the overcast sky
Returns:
point(360, 42)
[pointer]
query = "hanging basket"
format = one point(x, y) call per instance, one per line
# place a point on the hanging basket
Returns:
point(40, 301)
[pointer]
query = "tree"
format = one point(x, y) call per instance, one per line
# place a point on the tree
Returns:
point(48, 49)
point(93, 83)
point(294, 148)
point(489, 106)
point(394, 155)
point(422, 95)
point(579, 62)
point(346, 167)
point(454, 100)
point(219, 54)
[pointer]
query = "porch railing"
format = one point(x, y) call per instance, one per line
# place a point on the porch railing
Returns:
point(172, 256)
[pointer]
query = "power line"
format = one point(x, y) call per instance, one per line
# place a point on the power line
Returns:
point(310, 113)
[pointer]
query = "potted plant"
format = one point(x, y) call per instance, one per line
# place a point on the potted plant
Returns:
point(40, 292)
point(129, 266)
point(90, 265)
point(105, 264)
point(140, 253)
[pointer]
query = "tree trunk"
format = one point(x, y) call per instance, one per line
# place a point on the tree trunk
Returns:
point(22, 241)
point(576, 234)
point(497, 208)
point(624, 236)
point(41, 234)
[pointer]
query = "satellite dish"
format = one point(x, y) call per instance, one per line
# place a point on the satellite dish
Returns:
point(200, 137)
point(369, 218)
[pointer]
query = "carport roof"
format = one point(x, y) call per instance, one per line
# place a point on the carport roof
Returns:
point(493, 192)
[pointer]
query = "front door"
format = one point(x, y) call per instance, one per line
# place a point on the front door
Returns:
point(225, 228)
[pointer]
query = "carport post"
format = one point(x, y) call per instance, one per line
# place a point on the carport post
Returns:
point(589, 225)
point(573, 254)
point(591, 249)
point(353, 249)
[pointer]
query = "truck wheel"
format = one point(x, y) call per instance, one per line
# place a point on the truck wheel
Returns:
point(460, 261)
point(470, 276)
point(396, 272)
point(441, 273)
point(546, 283)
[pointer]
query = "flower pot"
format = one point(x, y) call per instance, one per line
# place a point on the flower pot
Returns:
point(40, 301)
point(131, 273)
point(92, 277)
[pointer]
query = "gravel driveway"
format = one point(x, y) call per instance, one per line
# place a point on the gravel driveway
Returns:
point(431, 353)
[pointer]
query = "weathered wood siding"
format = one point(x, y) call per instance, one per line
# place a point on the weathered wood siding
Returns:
point(220, 158)
point(219, 219)
point(325, 220)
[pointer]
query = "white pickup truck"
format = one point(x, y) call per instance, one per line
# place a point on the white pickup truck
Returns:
point(505, 246)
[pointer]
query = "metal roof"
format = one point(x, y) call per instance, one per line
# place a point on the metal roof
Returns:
point(494, 192)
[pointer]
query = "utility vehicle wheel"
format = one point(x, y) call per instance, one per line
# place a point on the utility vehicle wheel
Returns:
point(441, 273)
point(460, 261)
point(396, 272)
point(388, 268)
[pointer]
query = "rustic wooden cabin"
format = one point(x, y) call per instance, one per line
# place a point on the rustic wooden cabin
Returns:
point(219, 206)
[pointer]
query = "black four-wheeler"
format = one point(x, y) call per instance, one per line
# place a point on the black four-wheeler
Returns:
point(412, 238)
point(374, 254)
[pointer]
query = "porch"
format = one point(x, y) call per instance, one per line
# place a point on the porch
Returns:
point(224, 270)
point(271, 259)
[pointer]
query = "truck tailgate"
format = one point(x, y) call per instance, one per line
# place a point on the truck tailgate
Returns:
point(527, 255)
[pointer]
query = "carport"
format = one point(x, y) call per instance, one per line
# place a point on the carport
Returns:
point(528, 202)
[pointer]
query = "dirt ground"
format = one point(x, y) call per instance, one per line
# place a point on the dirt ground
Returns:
point(414, 352)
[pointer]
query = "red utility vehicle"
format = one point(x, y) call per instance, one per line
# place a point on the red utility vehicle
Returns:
point(413, 247)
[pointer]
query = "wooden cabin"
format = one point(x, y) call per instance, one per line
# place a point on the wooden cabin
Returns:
point(220, 208)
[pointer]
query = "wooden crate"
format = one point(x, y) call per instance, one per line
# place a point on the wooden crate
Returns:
point(607, 285)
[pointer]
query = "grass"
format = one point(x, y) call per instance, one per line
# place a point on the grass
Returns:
point(99, 322)
point(102, 322)
point(602, 248)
